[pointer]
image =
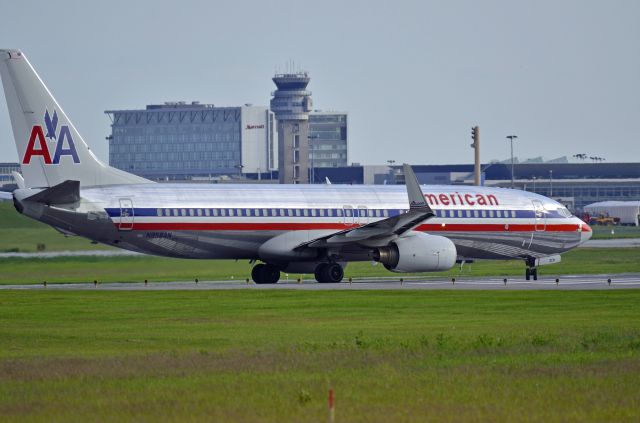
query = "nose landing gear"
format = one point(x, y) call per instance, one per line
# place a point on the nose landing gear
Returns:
point(531, 270)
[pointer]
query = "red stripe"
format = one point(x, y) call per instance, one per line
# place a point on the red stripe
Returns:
point(492, 227)
point(453, 227)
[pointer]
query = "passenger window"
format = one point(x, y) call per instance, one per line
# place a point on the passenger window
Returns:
point(159, 212)
point(476, 213)
point(297, 212)
point(468, 213)
point(490, 213)
point(339, 212)
point(321, 212)
point(231, 213)
point(498, 213)
point(513, 213)
point(206, 212)
point(385, 213)
point(313, 212)
point(305, 212)
point(199, 212)
point(265, 212)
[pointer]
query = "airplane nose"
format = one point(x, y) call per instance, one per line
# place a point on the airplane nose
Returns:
point(585, 232)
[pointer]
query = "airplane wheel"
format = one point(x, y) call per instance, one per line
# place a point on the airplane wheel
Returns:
point(265, 274)
point(320, 271)
point(256, 273)
point(270, 274)
point(527, 274)
point(535, 274)
point(333, 273)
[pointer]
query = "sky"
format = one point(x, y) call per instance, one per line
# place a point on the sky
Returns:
point(414, 76)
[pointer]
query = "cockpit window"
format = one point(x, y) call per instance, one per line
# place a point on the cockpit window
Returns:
point(564, 212)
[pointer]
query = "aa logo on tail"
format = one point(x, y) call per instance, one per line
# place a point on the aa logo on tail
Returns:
point(38, 146)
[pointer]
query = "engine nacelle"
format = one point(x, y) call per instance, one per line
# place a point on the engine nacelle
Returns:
point(418, 252)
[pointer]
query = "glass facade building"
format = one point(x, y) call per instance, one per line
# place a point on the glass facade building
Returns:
point(6, 178)
point(180, 141)
point(328, 139)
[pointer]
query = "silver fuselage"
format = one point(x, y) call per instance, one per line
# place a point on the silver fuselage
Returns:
point(233, 221)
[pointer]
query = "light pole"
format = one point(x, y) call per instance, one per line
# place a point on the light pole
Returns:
point(511, 137)
point(534, 184)
point(312, 174)
point(239, 167)
point(393, 176)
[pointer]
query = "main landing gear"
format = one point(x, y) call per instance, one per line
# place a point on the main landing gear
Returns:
point(531, 271)
point(329, 273)
point(265, 273)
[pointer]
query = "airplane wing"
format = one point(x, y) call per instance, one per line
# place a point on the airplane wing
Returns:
point(383, 230)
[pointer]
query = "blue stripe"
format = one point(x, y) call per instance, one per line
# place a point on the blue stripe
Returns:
point(259, 212)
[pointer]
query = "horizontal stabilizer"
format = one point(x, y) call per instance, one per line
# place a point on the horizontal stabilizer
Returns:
point(66, 192)
point(19, 180)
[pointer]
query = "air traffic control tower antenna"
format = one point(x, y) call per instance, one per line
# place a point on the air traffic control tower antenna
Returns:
point(291, 104)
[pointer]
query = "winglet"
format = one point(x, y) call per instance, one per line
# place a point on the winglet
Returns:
point(416, 198)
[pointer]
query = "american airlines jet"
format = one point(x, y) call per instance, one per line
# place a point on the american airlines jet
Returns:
point(295, 228)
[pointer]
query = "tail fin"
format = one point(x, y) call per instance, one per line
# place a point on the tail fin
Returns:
point(50, 148)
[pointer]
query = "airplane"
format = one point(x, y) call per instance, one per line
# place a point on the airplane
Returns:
point(315, 229)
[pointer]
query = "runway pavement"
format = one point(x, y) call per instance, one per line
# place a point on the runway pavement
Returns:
point(568, 282)
point(612, 243)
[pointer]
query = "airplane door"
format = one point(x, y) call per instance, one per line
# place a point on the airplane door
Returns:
point(540, 216)
point(126, 214)
point(348, 215)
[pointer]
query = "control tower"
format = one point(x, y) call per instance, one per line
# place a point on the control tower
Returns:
point(291, 104)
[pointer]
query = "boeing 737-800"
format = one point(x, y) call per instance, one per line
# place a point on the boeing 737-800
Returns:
point(296, 228)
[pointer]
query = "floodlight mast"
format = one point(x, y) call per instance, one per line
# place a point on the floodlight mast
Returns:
point(511, 138)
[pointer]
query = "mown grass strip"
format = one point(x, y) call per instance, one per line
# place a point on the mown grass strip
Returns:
point(157, 269)
point(272, 355)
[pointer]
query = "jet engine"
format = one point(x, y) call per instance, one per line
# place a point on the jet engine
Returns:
point(417, 252)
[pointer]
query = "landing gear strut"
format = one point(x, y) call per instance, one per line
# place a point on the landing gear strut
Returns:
point(329, 273)
point(265, 273)
point(531, 270)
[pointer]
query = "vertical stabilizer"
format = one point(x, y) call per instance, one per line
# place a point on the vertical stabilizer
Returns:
point(50, 149)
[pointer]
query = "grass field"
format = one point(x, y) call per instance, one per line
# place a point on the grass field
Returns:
point(612, 232)
point(271, 356)
point(155, 269)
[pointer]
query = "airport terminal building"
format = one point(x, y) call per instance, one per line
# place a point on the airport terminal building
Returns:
point(185, 141)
